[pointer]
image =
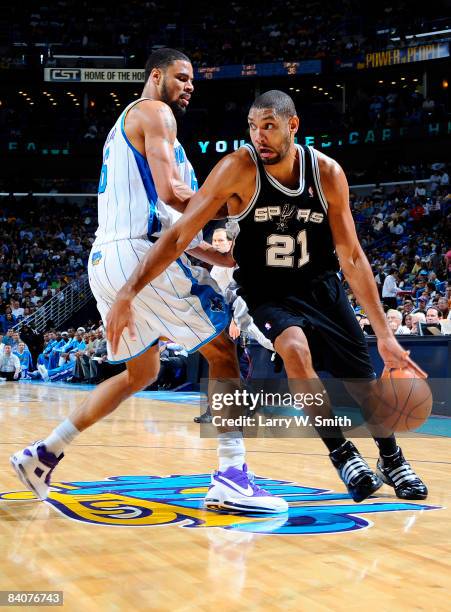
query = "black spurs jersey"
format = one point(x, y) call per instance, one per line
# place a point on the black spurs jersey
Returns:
point(285, 241)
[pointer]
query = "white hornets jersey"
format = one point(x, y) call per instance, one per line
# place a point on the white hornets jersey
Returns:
point(128, 203)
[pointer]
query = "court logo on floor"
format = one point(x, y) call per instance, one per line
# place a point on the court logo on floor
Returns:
point(150, 501)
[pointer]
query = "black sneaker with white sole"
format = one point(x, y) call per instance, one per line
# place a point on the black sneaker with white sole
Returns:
point(359, 478)
point(206, 417)
point(397, 473)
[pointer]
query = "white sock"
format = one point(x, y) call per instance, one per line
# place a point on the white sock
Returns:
point(60, 437)
point(231, 451)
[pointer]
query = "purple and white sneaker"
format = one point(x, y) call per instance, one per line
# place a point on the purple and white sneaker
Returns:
point(236, 490)
point(34, 466)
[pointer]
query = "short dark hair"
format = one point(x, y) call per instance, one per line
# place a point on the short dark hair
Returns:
point(229, 235)
point(162, 58)
point(439, 312)
point(279, 101)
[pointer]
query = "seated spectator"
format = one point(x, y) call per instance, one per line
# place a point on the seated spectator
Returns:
point(71, 346)
point(55, 353)
point(433, 315)
point(173, 358)
point(416, 266)
point(432, 290)
point(422, 305)
point(16, 340)
point(9, 321)
point(26, 362)
point(432, 324)
point(44, 357)
point(397, 228)
point(434, 181)
point(394, 320)
point(417, 318)
point(9, 364)
point(420, 191)
point(407, 306)
point(8, 337)
point(417, 213)
point(17, 311)
point(377, 223)
point(66, 364)
point(407, 322)
point(98, 366)
point(443, 307)
point(83, 358)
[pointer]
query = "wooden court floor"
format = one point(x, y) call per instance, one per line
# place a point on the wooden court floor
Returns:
point(125, 530)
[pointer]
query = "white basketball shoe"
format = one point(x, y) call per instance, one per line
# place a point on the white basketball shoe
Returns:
point(34, 466)
point(235, 489)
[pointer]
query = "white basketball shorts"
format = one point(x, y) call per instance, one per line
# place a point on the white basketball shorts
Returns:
point(183, 304)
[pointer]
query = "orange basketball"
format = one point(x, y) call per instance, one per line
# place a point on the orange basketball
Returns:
point(405, 400)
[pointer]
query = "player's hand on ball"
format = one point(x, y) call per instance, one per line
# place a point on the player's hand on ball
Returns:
point(121, 316)
point(394, 356)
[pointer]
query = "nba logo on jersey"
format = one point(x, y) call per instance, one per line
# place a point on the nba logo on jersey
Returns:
point(96, 257)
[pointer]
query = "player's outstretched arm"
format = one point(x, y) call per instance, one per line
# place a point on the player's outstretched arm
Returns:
point(355, 265)
point(153, 122)
point(220, 185)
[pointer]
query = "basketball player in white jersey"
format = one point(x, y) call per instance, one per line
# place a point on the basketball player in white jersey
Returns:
point(145, 179)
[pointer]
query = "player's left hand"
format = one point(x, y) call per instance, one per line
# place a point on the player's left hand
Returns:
point(394, 356)
point(121, 316)
point(234, 330)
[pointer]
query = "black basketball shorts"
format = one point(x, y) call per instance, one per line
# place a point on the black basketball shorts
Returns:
point(336, 342)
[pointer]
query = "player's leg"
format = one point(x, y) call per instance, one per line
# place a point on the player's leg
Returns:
point(35, 464)
point(392, 467)
point(232, 486)
point(205, 417)
point(293, 348)
point(348, 357)
point(282, 322)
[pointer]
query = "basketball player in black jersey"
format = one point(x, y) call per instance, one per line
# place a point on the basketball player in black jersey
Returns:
point(296, 232)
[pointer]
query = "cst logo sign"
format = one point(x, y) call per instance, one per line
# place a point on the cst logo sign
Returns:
point(63, 74)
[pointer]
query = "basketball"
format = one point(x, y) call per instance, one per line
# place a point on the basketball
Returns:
point(405, 400)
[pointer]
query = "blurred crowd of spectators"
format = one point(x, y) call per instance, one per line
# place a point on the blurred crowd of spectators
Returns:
point(44, 246)
point(405, 234)
point(86, 125)
point(76, 356)
point(394, 107)
point(236, 32)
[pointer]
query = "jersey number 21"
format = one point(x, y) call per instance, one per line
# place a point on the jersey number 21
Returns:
point(281, 248)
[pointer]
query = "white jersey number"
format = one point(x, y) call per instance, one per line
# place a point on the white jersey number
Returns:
point(104, 172)
point(281, 248)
